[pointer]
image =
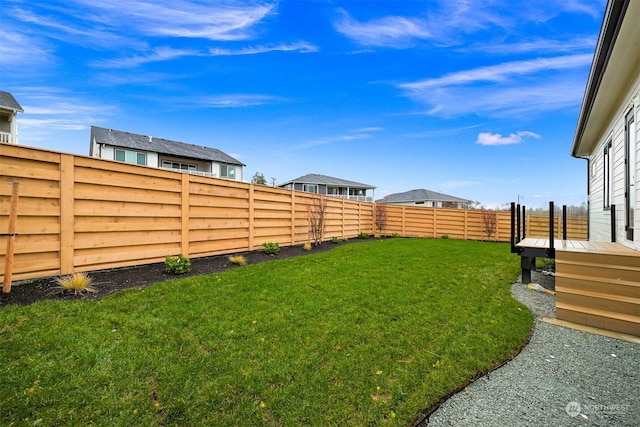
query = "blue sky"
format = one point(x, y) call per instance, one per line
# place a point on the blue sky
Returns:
point(478, 99)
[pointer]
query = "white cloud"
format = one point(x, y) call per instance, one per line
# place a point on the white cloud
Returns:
point(501, 72)
point(181, 18)
point(157, 55)
point(294, 47)
point(359, 134)
point(508, 89)
point(236, 100)
point(389, 31)
point(488, 138)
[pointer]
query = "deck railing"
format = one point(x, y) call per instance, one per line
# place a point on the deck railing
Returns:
point(8, 138)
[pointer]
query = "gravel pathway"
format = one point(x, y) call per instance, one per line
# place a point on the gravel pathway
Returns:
point(563, 377)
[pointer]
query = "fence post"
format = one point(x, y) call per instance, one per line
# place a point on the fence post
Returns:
point(250, 215)
point(293, 216)
point(184, 215)
point(11, 239)
point(67, 213)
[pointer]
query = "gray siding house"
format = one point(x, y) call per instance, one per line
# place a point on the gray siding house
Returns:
point(426, 198)
point(9, 109)
point(330, 186)
point(162, 153)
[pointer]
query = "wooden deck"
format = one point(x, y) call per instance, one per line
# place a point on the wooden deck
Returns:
point(577, 246)
point(597, 283)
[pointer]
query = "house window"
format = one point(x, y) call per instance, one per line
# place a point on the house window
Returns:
point(310, 188)
point(228, 171)
point(128, 156)
point(606, 185)
point(179, 166)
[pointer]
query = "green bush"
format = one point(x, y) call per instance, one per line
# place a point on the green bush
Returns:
point(445, 236)
point(178, 265)
point(336, 240)
point(271, 248)
point(363, 235)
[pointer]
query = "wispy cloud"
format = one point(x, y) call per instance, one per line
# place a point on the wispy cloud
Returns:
point(390, 31)
point(359, 134)
point(548, 46)
point(20, 51)
point(300, 47)
point(182, 18)
point(49, 111)
point(488, 138)
point(446, 23)
point(236, 100)
point(156, 55)
point(506, 89)
point(501, 72)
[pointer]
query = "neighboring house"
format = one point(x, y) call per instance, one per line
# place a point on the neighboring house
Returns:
point(607, 134)
point(162, 153)
point(426, 198)
point(9, 109)
point(330, 186)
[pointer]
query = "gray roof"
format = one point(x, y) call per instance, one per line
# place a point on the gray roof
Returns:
point(158, 145)
point(314, 178)
point(8, 102)
point(420, 195)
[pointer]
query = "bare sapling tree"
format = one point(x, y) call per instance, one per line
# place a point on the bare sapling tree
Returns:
point(489, 221)
point(381, 218)
point(317, 217)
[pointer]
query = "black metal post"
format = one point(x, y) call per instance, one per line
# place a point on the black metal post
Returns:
point(551, 251)
point(518, 222)
point(513, 228)
point(613, 223)
point(524, 222)
point(564, 222)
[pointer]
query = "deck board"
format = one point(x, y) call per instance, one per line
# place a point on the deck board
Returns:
point(578, 246)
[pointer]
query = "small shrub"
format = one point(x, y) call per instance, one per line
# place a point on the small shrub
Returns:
point(363, 235)
point(377, 236)
point(271, 248)
point(307, 246)
point(238, 259)
point(445, 236)
point(76, 282)
point(178, 265)
point(336, 240)
point(394, 235)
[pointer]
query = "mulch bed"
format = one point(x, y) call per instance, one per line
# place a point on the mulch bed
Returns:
point(107, 282)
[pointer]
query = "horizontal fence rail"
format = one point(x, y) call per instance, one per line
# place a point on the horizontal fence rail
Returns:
point(77, 213)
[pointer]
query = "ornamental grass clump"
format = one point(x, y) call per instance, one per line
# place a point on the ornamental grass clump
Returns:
point(76, 282)
point(238, 259)
point(307, 246)
point(179, 265)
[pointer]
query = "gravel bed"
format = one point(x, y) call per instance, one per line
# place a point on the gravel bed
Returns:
point(563, 377)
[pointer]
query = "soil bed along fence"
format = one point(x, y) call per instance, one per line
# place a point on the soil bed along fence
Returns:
point(77, 213)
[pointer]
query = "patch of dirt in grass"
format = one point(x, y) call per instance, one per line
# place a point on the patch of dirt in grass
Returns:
point(107, 282)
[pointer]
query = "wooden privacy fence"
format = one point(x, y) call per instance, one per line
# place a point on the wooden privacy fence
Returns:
point(78, 213)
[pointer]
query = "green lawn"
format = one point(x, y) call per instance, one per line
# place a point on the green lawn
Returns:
point(365, 334)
